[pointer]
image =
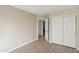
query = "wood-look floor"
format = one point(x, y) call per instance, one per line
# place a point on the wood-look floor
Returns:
point(42, 46)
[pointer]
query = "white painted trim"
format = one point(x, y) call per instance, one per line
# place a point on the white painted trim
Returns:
point(50, 41)
point(20, 46)
point(37, 28)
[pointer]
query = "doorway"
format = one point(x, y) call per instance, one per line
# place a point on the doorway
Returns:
point(40, 28)
point(43, 29)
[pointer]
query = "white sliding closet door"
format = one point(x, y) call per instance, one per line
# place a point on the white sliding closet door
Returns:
point(57, 30)
point(69, 31)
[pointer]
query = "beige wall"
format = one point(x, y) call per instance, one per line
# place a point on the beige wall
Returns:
point(66, 12)
point(16, 27)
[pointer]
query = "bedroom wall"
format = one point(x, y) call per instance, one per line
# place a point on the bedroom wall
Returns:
point(16, 27)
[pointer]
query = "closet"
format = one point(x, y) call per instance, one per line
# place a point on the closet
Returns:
point(64, 30)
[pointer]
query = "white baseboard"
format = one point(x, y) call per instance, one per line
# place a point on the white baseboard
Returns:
point(20, 45)
point(50, 41)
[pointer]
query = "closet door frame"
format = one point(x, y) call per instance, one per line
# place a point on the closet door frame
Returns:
point(63, 29)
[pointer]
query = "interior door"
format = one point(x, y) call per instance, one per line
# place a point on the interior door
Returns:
point(57, 30)
point(69, 31)
point(46, 29)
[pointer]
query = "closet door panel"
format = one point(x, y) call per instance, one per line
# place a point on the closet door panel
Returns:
point(69, 31)
point(57, 30)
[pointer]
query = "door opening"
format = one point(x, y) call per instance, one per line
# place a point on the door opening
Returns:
point(43, 29)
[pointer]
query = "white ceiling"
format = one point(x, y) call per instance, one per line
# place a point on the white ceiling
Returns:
point(43, 10)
